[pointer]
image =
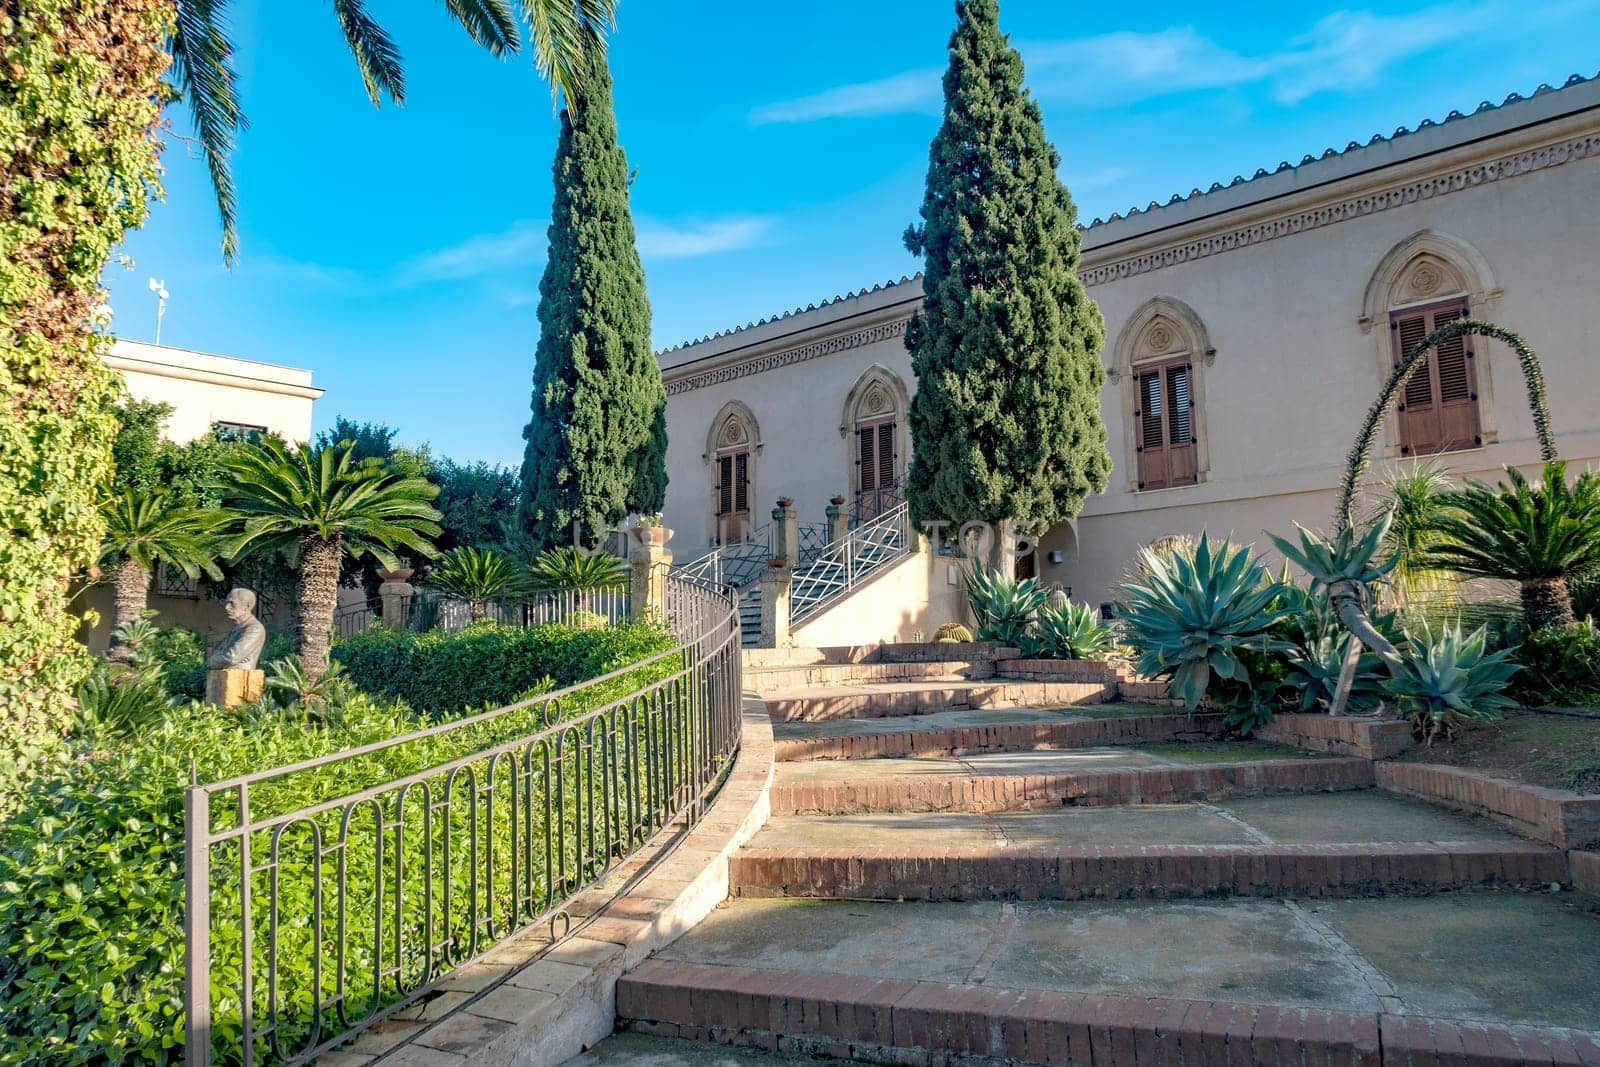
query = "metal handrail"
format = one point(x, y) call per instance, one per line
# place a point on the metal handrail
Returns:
point(377, 892)
point(848, 562)
point(739, 563)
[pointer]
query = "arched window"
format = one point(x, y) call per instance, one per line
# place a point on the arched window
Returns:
point(1427, 280)
point(874, 426)
point(1162, 351)
point(732, 476)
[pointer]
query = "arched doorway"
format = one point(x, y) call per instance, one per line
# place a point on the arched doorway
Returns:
point(874, 426)
point(732, 477)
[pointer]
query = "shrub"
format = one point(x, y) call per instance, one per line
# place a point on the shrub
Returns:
point(487, 664)
point(1560, 666)
point(1069, 631)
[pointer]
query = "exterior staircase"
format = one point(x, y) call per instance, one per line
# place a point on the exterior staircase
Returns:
point(979, 860)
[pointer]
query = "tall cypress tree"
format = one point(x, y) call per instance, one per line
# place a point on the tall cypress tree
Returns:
point(597, 437)
point(1006, 420)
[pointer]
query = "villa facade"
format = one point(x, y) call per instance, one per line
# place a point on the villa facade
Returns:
point(1249, 327)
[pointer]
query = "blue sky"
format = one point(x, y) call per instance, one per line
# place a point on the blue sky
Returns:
point(780, 156)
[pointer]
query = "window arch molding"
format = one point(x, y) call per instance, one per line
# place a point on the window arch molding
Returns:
point(1159, 332)
point(878, 395)
point(735, 432)
point(1428, 270)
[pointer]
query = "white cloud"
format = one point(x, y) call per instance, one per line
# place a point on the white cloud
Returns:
point(520, 245)
point(664, 240)
point(1343, 51)
point(914, 92)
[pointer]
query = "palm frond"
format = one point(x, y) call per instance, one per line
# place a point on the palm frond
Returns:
point(202, 67)
point(488, 22)
point(376, 54)
point(567, 36)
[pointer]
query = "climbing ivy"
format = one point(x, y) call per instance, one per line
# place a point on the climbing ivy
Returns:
point(80, 100)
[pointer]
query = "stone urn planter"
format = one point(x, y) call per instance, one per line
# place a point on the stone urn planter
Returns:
point(655, 536)
point(777, 563)
point(786, 501)
point(399, 574)
point(836, 501)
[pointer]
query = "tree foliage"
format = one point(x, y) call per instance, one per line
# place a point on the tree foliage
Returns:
point(78, 115)
point(1006, 418)
point(596, 438)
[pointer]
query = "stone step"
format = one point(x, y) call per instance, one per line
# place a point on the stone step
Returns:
point(806, 678)
point(902, 1020)
point(924, 697)
point(961, 733)
point(1020, 781)
point(1144, 872)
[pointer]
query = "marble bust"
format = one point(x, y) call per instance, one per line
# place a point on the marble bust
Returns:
point(242, 647)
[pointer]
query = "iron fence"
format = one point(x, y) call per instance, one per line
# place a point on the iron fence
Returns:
point(430, 611)
point(325, 895)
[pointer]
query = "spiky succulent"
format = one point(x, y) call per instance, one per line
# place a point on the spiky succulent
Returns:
point(1004, 607)
point(1196, 610)
point(952, 632)
point(1069, 631)
point(1349, 556)
point(1444, 679)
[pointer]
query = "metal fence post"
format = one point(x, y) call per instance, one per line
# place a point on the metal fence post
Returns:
point(196, 924)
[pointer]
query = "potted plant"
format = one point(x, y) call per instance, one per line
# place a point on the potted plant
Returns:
point(786, 501)
point(777, 563)
point(836, 501)
point(648, 530)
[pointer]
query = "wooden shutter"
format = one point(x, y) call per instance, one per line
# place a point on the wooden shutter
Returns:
point(1439, 406)
point(866, 441)
point(741, 482)
point(724, 485)
point(885, 455)
point(1164, 421)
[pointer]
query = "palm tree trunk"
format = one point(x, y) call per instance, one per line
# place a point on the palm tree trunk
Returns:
point(1546, 602)
point(478, 609)
point(130, 594)
point(317, 596)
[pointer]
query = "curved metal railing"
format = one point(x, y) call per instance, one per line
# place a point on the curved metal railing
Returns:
point(307, 920)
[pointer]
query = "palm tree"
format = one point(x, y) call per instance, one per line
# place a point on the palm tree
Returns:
point(1536, 533)
point(1416, 503)
point(565, 34)
point(324, 505)
point(476, 575)
point(145, 528)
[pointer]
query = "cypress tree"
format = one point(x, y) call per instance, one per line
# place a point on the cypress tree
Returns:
point(1006, 420)
point(596, 442)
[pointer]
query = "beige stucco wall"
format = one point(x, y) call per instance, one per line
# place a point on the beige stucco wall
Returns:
point(913, 594)
point(1277, 272)
point(205, 389)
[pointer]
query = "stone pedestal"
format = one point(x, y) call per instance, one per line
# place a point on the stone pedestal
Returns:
point(838, 523)
point(785, 534)
point(775, 608)
point(230, 687)
point(647, 590)
point(396, 593)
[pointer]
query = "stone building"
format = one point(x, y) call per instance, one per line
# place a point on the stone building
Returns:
point(1249, 327)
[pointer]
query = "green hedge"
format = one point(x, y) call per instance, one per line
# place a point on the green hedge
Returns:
point(487, 664)
point(91, 891)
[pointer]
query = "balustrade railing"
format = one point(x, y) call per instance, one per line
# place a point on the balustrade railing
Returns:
point(845, 563)
point(739, 563)
point(325, 895)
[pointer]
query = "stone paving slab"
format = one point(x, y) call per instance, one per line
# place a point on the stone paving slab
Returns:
point(1494, 957)
point(1322, 818)
point(638, 1050)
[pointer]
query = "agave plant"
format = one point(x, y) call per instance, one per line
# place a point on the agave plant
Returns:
point(1538, 534)
point(1069, 631)
point(476, 575)
point(1004, 607)
point(1315, 662)
point(1197, 611)
point(1446, 679)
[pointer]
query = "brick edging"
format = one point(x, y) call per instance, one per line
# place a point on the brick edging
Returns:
point(903, 1020)
point(1155, 872)
point(1372, 739)
point(1006, 737)
point(1558, 816)
point(550, 1008)
point(1018, 792)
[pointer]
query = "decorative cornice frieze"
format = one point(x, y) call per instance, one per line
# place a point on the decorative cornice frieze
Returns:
point(1478, 174)
point(773, 360)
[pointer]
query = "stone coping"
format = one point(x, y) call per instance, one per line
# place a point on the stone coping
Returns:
point(1559, 816)
point(1373, 739)
point(931, 1024)
point(524, 1003)
point(1002, 736)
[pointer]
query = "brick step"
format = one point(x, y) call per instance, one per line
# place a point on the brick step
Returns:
point(1001, 791)
point(926, 697)
point(958, 735)
point(898, 1020)
point(1135, 872)
point(777, 679)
